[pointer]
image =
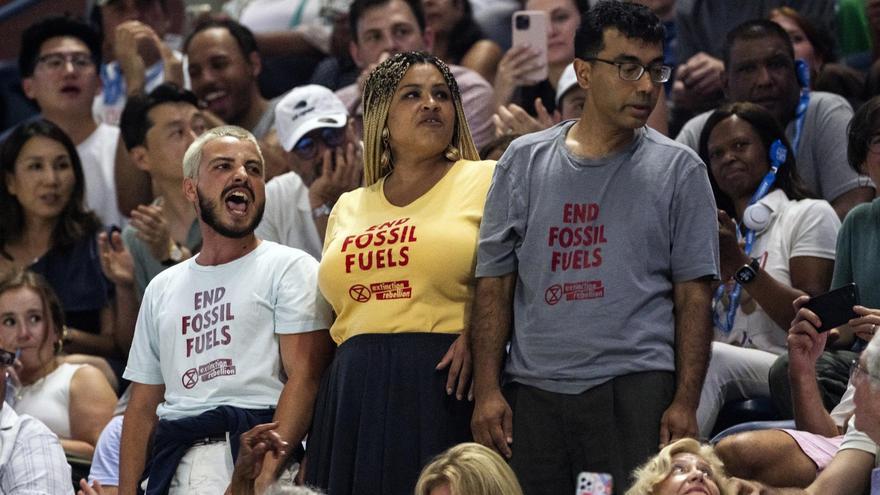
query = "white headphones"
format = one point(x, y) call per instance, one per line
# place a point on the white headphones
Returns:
point(757, 217)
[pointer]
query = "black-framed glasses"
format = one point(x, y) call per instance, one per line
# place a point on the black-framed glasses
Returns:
point(632, 71)
point(307, 146)
point(57, 61)
point(6, 358)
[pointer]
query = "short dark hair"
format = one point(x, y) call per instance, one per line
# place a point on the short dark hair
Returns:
point(75, 220)
point(242, 35)
point(769, 130)
point(863, 126)
point(36, 34)
point(135, 121)
point(630, 19)
point(753, 30)
point(358, 7)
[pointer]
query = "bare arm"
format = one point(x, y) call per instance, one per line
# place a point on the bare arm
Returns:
point(483, 58)
point(281, 43)
point(805, 345)
point(852, 198)
point(91, 406)
point(492, 423)
point(848, 473)
point(137, 428)
point(305, 357)
point(693, 340)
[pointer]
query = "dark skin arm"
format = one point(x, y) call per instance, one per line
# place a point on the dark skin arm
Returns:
point(693, 341)
point(850, 199)
point(492, 422)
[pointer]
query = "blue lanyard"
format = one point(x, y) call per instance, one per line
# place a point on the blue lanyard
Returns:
point(778, 155)
point(803, 74)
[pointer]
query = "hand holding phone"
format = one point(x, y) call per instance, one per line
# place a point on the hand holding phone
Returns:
point(530, 28)
point(835, 307)
point(594, 484)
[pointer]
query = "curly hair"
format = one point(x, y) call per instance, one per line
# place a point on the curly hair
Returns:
point(658, 468)
point(469, 468)
point(378, 92)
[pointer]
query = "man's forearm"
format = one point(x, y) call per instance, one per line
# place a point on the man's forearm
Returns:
point(490, 329)
point(809, 410)
point(137, 427)
point(693, 338)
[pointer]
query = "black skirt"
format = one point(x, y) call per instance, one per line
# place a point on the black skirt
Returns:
point(382, 413)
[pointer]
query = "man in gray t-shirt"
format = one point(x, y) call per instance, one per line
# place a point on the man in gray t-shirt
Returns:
point(761, 69)
point(597, 249)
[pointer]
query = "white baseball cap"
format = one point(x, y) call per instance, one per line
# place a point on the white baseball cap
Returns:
point(567, 81)
point(304, 109)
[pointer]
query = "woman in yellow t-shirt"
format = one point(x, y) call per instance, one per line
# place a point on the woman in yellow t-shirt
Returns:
point(398, 269)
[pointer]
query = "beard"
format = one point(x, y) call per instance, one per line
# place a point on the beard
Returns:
point(208, 213)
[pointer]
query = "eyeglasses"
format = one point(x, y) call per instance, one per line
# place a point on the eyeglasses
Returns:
point(856, 369)
point(6, 358)
point(57, 61)
point(632, 71)
point(307, 146)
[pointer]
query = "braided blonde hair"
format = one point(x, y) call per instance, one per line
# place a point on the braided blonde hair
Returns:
point(378, 92)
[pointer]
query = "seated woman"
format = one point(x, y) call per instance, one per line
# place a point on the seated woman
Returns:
point(683, 466)
point(468, 469)
point(398, 269)
point(458, 38)
point(46, 229)
point(788, 251)
point(74, 401)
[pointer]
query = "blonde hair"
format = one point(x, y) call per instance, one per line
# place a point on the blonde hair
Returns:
point(378, 92)
point(659, 467)
point(193, 155)
point(469, 469)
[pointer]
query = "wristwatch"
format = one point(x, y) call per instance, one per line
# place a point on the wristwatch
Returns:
point(747, 273)
point(175, 254)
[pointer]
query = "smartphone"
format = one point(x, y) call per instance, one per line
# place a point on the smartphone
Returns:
point(835, 307)
point(530, 28)
point(594, 484)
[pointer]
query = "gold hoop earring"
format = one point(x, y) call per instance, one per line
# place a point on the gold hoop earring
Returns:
point(452, 153)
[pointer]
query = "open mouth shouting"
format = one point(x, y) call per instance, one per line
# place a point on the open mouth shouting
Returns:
point(238, 200)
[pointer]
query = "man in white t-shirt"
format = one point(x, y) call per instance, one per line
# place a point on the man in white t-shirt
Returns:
point(320, 148)
point(58, 64)
point(217, 334)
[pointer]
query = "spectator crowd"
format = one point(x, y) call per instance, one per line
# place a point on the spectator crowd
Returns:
point(356, 247)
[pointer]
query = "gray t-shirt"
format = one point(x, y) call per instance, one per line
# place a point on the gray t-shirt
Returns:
point(145, 265)
point(821, 154)
point(597, 246)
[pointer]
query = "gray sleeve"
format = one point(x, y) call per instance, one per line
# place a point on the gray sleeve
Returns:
point(142, 274)
point(689, 135)
point(504, 220)
point(694, 224)
point(829, 143)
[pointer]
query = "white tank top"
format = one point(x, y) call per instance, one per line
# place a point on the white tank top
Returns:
point(48, 399)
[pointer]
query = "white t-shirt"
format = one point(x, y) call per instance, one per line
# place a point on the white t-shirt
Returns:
point(209, 333)
point(98, 154)
point(859, 440)
point(797, 228)
point(287, 218)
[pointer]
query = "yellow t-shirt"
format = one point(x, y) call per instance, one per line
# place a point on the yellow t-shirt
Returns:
point(391, 269)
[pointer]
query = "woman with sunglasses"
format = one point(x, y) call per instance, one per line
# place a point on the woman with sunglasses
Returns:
point(398, 269)
point(776, 244)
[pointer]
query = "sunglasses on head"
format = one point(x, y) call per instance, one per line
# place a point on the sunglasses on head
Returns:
point(307, 146)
